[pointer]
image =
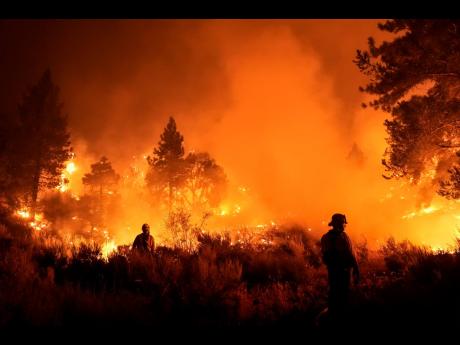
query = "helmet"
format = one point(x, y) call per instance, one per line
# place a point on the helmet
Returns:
point(338, 219)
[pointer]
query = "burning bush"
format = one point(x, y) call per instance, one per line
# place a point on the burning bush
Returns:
point(400, 256)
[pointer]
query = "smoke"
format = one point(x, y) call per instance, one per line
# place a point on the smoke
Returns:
point(276, 103)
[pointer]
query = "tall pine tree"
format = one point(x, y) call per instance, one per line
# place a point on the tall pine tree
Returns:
point(167, 167)
point(102, 180)
point(43, 141)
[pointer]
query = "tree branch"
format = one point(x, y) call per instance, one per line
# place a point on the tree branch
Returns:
point(450, 74)
point(448, 146)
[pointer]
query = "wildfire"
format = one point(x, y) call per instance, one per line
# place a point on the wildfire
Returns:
point(423, 211)
point(226, 210)
point(271, 223)
point(223, 211)
point(237, 209)
point(71, 168)
point(68, 171)
point(23, 214)
point(242, 189)
point(108, 248)
point(440, 249)
point(63, 185)
point(37, 223)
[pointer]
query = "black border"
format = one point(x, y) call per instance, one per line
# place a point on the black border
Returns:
point(165, 9)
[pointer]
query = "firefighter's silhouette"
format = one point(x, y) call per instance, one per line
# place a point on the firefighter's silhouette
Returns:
point(142, 259)
point(339, 257)
point(144, 243)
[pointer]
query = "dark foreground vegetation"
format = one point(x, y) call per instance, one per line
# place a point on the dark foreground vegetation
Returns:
point(279, 285)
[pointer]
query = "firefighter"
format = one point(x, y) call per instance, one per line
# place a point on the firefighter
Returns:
point(339, 257)
point(144, 243)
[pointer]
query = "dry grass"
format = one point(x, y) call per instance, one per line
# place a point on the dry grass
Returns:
point(278, 282)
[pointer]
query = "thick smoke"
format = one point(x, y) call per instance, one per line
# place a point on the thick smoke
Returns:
point(276, 103)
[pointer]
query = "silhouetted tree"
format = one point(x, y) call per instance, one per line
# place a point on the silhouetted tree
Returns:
point(450, 187)
point(102, 181)
point(195, 181)
point(167, 168)
point(205, 181)
point(102, 177)
point(416, 78)
point(42, 143)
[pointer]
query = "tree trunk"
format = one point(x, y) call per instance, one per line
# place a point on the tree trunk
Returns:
point(170, 196)
point(35, 188)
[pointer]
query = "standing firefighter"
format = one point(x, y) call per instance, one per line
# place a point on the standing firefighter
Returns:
point(340, 260)
point(144, 243)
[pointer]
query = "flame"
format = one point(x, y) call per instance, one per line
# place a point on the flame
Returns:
point(422, 211)
point(71, 168)
point(442, 249)
point(226, 210)
point(429, 210)
point(271, 224)
point(242, 189)
point(108, 248)
point(37, 223)
point(23, 213)
point(63, 185)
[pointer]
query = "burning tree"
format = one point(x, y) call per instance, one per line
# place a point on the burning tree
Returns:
point(416, 78)
point(450, 188)
point(195, 181)
point(40, 146)
point(167, 166)
point(101, 182)
point(206, 181)
point(102, 177)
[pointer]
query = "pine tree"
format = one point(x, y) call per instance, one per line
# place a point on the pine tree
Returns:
point(42, 145)
point(416, 78)
point(206, 181)
point(167, 169)
point(102, 177)
point(102, 180)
